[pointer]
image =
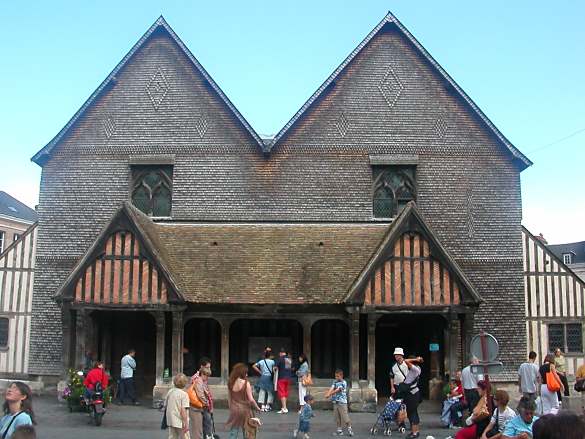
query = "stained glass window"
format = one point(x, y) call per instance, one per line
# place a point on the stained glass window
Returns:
point(394, 187)
point(152, 189)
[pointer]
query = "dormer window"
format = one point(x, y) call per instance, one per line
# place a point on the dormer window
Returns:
point(152, 188)
point(567, 258)
point(394, 186)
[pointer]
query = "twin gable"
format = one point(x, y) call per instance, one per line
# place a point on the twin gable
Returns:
point(389, 90)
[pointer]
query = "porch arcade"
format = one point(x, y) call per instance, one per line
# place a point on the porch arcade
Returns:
point(345, 295)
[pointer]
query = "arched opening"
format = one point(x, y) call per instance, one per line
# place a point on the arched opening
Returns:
point(418, 334)
point(249, 337)
point(119, 331)
point(329, 348)
point(203, 339)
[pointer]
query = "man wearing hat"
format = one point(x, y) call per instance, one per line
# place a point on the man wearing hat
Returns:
point(399, 370)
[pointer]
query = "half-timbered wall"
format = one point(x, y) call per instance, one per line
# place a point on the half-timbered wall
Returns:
point(553, 295)
point(121, 275)
point(16, 291)
point(412, 277)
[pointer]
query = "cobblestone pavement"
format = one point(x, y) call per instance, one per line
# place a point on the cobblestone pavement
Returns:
point(55, 422)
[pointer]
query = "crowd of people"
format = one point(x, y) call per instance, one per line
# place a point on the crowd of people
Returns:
point(471, 406)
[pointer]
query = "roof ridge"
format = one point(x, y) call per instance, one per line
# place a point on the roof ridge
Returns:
point(40, 156)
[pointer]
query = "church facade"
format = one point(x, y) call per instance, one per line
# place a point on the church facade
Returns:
point(385, 213)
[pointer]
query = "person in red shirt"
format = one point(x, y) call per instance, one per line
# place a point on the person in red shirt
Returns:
point(94, 376)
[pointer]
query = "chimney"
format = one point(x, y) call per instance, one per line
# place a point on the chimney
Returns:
point(541, 238)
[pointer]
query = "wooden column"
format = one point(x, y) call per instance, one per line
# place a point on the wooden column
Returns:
point(452, 346)
point(159, 318)
point(467, 334)
point(354, 349)
point(66, 329)
point(80, 338)
point(225, 349)
point(177, 342)
point(307, 325)
point(372, 321)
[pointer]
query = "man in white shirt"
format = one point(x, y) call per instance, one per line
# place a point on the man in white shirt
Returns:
point(126, 388)
point(528, 377)
point(469, 382)
point(399, 371)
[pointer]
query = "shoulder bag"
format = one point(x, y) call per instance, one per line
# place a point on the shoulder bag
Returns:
point(307, 380)
point(10, 425)
point(553, 382)
point(580, 385)
point(496, 428)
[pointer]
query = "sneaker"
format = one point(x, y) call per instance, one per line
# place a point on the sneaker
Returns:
point(349, 431)
point(295, 432)
point(339, 432)
point(413, 435)
point(306, 436)
point(282, 411)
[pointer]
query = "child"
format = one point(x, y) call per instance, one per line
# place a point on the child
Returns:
point(305, 416)
point(338, 395)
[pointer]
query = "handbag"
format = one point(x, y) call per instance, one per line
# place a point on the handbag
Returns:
point(163, 422)
point(307, 380)
point(553, 383)
point(580, 385)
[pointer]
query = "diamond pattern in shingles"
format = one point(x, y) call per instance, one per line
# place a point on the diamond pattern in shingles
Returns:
point(390, 87)
point(201, 125)
point(342, 125)
point(157, 88)
point(440, 127)
point(109, 126)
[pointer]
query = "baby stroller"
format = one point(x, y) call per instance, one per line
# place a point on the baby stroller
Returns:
point(393, 411)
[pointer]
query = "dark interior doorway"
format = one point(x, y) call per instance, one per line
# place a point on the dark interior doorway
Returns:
point(119, 331)
point(249, 337)
point(329, 348)
point(414, 333)
point(203, 339)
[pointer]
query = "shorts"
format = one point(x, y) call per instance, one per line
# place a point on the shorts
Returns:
point(282, 388)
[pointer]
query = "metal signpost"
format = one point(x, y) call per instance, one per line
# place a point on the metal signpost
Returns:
point(485, 347)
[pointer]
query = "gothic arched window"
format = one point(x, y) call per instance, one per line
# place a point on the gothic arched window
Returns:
point(152, 189)
point(394, 187)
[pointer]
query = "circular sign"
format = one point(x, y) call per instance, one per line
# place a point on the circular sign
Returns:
point(492, 347)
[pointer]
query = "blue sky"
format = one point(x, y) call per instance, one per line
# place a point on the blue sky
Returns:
point(522, 62)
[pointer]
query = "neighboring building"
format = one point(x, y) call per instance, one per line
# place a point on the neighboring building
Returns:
point(385, 213)
point(16, 286)
point(572, 255)
point(15, 218)
point(555, 303)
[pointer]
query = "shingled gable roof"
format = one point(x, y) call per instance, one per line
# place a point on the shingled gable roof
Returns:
point(127, 217)
point(391, 20)
point(160, 24)
point(410, 219)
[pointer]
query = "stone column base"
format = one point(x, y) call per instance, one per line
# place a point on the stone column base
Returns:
point(363, 399)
